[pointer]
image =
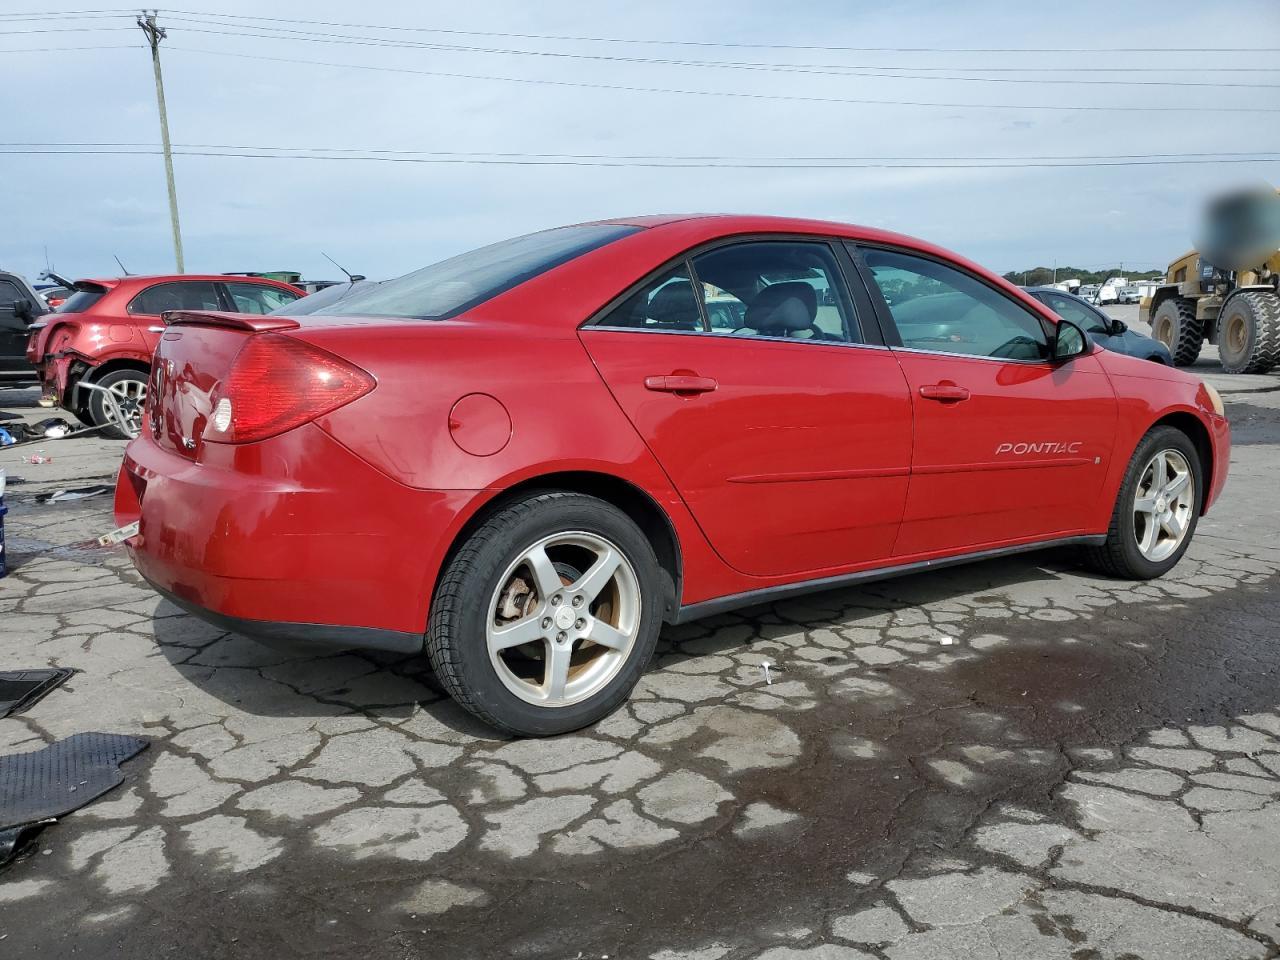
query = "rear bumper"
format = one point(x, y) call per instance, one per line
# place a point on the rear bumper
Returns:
point(293, 538)
point(319, 634)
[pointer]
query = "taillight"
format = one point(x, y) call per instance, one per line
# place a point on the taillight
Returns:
point(277, 383)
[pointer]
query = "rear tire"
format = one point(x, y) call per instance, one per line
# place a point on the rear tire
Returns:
point(1249, 332)
point(130, 386)
point(1140, 542)
point(533, 588)
point(1175, 325)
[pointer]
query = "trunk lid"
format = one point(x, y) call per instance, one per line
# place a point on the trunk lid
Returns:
point(194, 354)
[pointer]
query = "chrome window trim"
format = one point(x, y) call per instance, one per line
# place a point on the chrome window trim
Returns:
point(738, 338)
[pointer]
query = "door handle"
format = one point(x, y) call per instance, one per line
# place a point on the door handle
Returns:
point(680, 383)
point(944, 392)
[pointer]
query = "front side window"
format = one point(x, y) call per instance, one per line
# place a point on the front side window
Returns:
point(1078, 313)
point(9, 292)
point(454, 286)
point(783, 289)
point(258, 297)
point(945, 310)
point(178, 295)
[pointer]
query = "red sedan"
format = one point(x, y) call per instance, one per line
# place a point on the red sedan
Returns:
point(102, 337)
point(524, 460)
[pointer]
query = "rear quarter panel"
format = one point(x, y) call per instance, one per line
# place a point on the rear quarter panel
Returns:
point(561, 417)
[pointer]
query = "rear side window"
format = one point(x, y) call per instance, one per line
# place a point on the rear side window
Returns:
point(941, 309)
point(258, 297)
point(454, 286)
point(178, 295)
point(779, 289)
point(667, 302)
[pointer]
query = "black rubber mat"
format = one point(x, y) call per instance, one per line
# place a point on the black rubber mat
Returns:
point(62, 777)
point(19, 689)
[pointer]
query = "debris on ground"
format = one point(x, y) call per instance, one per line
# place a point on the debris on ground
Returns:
point(119, 535)
point(39, 786)
point(765, 665)
point(74, 493)
point(37, 458)
point(19, 689)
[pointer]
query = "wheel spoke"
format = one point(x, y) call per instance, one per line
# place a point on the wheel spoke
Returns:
point(597, 578)
point(1177, 484)
point(545, 576)
point(1159, 471)
point(608, 636)
point(1174, 525)
point(514, 634)
point(1145, 504)
point(556, 675)
point(1148, 535)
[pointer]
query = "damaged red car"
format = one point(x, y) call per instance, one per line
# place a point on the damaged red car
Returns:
point(96, 349)
point(523, 461)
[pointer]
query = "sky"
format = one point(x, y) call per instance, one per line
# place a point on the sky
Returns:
point(385, 218)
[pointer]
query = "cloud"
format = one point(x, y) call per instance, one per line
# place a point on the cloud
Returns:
point(384, 219)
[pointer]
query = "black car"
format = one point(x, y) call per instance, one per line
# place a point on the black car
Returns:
point(20, 306)
point(1105, 331)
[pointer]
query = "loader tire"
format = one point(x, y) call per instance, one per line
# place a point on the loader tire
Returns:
point(1249, 332)
point(1175, 325)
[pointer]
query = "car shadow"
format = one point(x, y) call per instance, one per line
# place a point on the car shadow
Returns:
point(283, 680)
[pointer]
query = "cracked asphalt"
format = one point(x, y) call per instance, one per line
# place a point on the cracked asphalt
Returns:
point(1017, 759)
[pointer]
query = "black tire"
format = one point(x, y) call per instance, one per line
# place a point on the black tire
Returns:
point(456, 632)
point(1119, 556)
point(1175, 325)
point(1249, 332)
point(97, 405)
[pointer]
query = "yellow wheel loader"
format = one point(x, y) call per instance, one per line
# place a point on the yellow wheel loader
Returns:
point(1229, 292)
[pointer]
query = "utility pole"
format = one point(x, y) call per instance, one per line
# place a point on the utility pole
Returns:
point(147, 21)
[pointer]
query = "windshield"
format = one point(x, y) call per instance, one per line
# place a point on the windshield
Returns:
point(84, 298)
point(452, 286)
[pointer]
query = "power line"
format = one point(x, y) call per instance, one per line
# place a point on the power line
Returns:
point(723, 44)
point(736, 94)
point(263, 154)
point(1209, 154)
point(120, 46)
point(14, 33)
point(840, 70)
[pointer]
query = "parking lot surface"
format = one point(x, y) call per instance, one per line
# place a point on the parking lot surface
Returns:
point(1015, 759)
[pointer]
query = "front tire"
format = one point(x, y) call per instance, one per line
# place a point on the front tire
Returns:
point(1156, 510)
point(1175, 325)
point(130, 390)
point(1249, 333)
point(546, 617)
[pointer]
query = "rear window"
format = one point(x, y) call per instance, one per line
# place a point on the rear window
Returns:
point(453, 286)
point(81, 300)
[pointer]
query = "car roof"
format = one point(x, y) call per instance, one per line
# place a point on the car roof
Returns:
point(153, 277)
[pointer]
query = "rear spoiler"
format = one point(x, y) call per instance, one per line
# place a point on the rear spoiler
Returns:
point(252, 322)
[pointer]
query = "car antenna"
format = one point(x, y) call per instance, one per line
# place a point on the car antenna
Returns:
point(353, 277)
point(122, 266)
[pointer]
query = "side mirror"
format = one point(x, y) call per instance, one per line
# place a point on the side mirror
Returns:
point(1069, 341)
point(1118, 327)
point(22, 310)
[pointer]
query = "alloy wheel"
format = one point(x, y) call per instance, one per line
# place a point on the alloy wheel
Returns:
point(1163, 504)
point(130, 396)
point(563, 619)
